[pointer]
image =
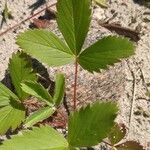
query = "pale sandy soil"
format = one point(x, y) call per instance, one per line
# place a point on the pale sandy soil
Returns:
point(127, 82)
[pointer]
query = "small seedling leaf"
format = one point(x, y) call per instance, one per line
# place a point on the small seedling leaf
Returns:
point(117, 133)
point(39, 116)
point(59, 89)
point(11, 116)
point(73, 18)
point(45, 47)
point(43, 138)
point(37, 90)
point(20, 69)
point(90, 125)
point(129, 145)
point(104, 52)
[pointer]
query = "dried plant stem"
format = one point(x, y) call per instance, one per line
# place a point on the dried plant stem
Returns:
point(30, 17)
point(75, 86)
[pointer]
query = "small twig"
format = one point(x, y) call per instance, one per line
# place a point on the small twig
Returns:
point(32, 16)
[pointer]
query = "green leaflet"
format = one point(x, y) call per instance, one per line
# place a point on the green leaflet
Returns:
point(45, 47)
point(20, 69)
point(73, 19)
point(104, 52)
point(89, 126)
point(59, 89)
point(38, 116)
point(11, 116)
point(37, 90)
point(117, 133)
point(6, 95)
point(43, 138)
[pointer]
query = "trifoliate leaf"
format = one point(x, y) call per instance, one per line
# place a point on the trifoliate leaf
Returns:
point(6, 95)
point(102, 3)
point(20, 69)
point(104, 52)
point(59, 89)
point(73, 18)
point(89, 126)
point(117, 133)
point(45, 47)
point(11, 116)
point(129, 145)
point(43, 138)
point(37, 90)
point(39, 116)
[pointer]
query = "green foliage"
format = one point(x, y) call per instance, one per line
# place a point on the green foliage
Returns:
point(90, 125)
point(46, 47)
point(37, 90)
point(117, 133)
point(43, 138)
point(20, 69)
point(59, 89)
point(39, 115)
point(104, 52)
point(12, 113)
point(6, 95)
point(73, 19)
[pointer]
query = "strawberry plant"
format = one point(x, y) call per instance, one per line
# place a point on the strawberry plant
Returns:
point(12, 109)
point(88, 125)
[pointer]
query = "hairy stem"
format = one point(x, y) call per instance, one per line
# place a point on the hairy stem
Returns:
point(75, 86)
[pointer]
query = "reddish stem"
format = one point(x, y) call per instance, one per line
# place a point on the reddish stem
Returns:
point(75, 86)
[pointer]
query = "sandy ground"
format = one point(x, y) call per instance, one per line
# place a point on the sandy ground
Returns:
point(127, 82)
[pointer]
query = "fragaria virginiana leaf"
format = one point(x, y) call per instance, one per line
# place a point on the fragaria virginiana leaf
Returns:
point(104, 52)
point(117, 133)
point(45, 47)
point(39, 116)
point(37, 90)
point(73, 18)
point(59, 89)
point(20, 69)
point(11, 116)
point(6, 95)
point(43, 138)
point(129, 145)
point(90, 125)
